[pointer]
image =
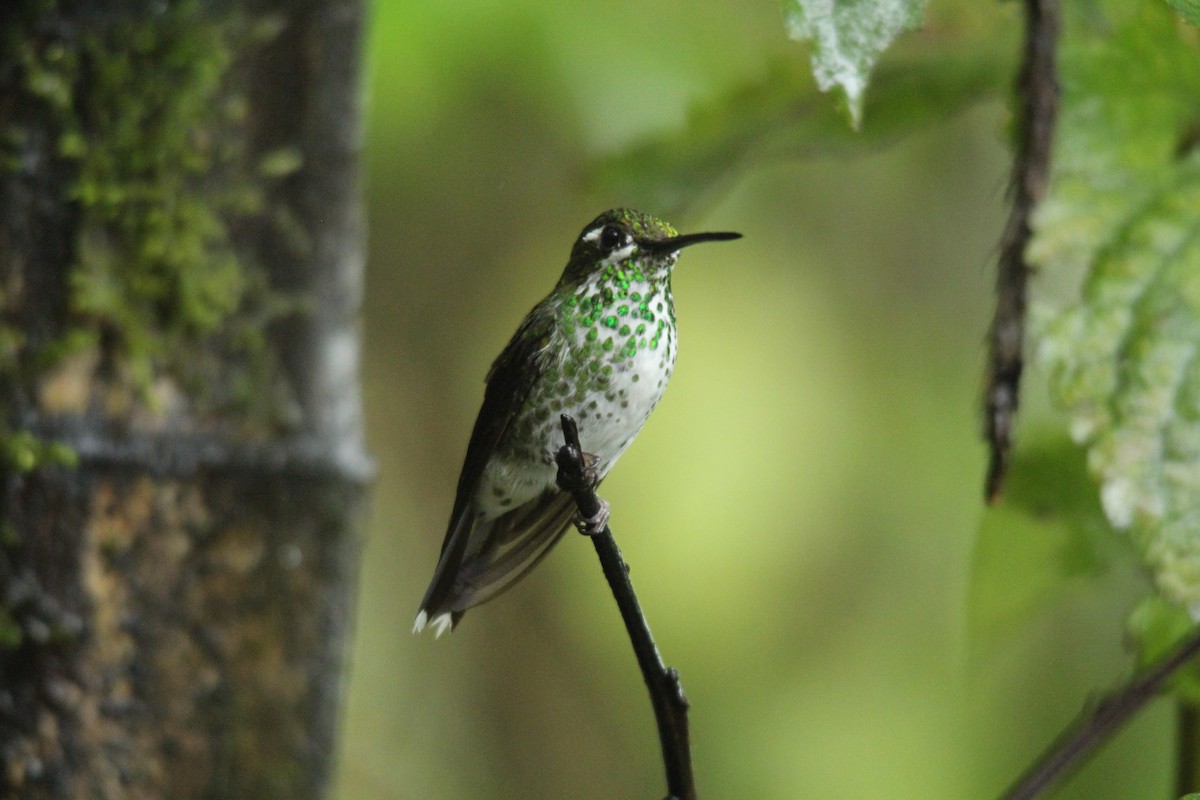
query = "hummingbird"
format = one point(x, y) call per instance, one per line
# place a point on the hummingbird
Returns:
point(600, 348)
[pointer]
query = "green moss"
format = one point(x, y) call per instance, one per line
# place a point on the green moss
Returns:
point(148, 114)
point(280, 163)
point(10, 632)
point(21, 451)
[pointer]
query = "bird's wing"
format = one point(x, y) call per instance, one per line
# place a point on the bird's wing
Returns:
point(508, 383)
point(512, 545)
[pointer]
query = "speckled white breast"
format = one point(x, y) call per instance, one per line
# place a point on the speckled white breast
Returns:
point(611, 393)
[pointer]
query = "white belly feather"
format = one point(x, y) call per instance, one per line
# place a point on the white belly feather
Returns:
point(609, 413)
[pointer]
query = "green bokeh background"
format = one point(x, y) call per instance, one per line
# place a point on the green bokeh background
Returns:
point(801, 515)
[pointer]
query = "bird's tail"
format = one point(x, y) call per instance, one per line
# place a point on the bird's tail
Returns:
point(483, 558)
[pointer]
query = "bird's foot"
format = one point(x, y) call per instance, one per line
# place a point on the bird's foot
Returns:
point(590, 472)
point(593, 525)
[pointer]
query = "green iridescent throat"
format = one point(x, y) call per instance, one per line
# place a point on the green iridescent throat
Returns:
point(602, 325)
point(622, 311)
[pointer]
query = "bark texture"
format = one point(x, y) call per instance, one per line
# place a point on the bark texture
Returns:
point(181, 461)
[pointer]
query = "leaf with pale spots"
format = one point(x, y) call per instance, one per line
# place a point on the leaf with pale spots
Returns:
point(848, 37)
point(1123, 203)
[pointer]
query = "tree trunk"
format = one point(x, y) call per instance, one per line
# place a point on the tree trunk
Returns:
point(181, 462)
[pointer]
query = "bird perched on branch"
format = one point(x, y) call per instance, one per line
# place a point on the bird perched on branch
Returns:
point(599, 348)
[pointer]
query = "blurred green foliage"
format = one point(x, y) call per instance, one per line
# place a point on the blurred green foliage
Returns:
point(781, 117)
point(1158, 626)
point(1050, 523)
point(1188, 9)
point(801, 513)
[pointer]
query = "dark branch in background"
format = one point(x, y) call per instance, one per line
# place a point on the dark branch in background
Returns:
point(1037, 93)
point(1096, 726)
point(1187, 745)
point(666, 694)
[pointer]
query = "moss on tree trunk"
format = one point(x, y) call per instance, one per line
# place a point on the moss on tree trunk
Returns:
point(181, 464)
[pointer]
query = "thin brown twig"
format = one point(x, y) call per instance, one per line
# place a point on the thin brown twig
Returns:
point(1037, 91)
point(1097, 725)
point(666, 693)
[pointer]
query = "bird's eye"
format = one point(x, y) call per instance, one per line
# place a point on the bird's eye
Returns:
point(611, 237)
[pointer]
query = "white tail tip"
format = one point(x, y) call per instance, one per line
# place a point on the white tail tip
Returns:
point(440, 624)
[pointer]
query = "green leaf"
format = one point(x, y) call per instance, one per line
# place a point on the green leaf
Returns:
point(1046, 534)
point(1123, 203)
point(1158, 626)
point(1188, 9)
point(782, 116)
point(848, 37)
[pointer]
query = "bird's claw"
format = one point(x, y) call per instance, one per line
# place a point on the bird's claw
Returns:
point(593, 525)
point(590, 472)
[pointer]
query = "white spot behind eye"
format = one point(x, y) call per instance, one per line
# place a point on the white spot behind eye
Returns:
point(593, 234)
point(619, 255)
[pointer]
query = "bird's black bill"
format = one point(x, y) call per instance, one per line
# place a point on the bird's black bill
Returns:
point(676, 243)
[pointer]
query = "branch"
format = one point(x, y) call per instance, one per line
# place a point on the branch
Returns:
point(1037, 90)
point(181, 454)
point(1096, 726)
point(666, 693)
point(1187, 747)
